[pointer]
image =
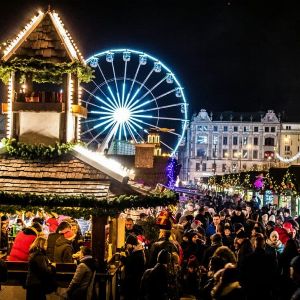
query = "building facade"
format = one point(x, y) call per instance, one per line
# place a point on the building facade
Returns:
point(229, 142)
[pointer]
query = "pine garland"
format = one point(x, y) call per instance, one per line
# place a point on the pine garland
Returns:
point(40, 151)
point(82, 206)
point(43, 71)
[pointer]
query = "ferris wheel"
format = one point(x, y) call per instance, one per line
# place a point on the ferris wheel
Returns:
point(131, 95)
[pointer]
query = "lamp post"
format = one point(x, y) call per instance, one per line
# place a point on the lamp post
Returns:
point(214, 154)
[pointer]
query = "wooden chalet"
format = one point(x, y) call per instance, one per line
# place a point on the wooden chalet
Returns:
point(45, 107)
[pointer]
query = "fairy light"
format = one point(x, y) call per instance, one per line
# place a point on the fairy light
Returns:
point(74, 52)
point(9, 107)
point(29, 27)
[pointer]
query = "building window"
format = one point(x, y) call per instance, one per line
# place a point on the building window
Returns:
point(225, 128)
point(215, 140)
point(287, 149)
point(245, 140)
point(269, 141)
point(214, 167)
point(245, 154)
point(255, 141)
point(215, 128)
point(235, 153)
point(201, 152)
point(202, 139)
point(225, 154)
point(203, 167)
point(235, 128)
point(223, 167)
point(272, 129)
point(245, 129)
point(235, 140)
point(202, 127)
point(255, 154)
point(288, 127)
point(266, 129)
point(225, 140)
point(198, 165)
point(255, 129)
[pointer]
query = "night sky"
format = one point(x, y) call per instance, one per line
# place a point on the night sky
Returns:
point(240, 55)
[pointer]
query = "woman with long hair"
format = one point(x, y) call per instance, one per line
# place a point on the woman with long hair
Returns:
point(40, 279)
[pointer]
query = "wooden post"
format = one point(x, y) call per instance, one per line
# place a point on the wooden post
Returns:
point(99, 239)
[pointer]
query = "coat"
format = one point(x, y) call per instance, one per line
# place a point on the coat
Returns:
point(40, 273)
point(80, 287)
point(63, 250)
point(154, 283)
point(22, 243)
point(51, 241)
point(134, 267)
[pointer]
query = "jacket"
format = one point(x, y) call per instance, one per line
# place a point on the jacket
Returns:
point(39, 269)
point(22, 243)
point(63, 250)
point(82, 280)
point(51, 241)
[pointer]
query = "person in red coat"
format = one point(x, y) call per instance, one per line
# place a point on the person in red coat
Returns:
point(23, 241)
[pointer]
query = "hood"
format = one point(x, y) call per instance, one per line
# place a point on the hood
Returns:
point(89, 261)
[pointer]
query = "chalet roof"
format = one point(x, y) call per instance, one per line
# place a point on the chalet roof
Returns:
point(65, 176)
point(46, 38)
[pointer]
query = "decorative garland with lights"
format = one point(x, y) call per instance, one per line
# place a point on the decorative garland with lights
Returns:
point(82, 206)
point(41, 151)
point(43, 71)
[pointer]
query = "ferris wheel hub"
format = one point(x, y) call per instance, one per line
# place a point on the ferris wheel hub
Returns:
point(121, 115)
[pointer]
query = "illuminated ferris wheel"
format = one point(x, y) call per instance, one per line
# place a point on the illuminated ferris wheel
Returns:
point(131, 95)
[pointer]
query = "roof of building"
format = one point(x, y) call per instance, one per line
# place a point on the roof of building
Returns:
point(63, 176)
point(46, 38)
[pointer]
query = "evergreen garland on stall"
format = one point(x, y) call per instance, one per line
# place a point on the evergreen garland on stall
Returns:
point(40, 151)
point(82, 206)
point(43, 71)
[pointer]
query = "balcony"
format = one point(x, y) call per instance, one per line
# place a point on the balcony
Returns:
point(38, 107)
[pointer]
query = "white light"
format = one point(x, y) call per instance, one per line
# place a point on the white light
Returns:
point(121, 115)
point(107, 163)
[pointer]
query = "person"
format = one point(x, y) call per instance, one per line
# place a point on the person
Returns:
point(40, 277)
point(23, 241)
point(52, 238)
point(154, 282)
point(52, 222)
point(134, 267)
point(63, 250)
point(81, 285)
point(212, 227)
point(295, 275)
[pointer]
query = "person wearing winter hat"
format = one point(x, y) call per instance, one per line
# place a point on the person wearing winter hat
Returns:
point(63, 249)
point(272, 218)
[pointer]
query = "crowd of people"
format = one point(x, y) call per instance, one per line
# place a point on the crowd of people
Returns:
point(213, 248)
point(44, 242)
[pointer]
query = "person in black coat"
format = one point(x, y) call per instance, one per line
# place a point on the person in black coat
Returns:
point(259, 272)
point(134, 267)
point(52, 238)
point(40, 277)
point(154, 283)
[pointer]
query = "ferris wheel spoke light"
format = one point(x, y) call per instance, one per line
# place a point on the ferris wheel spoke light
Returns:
point(123, 106)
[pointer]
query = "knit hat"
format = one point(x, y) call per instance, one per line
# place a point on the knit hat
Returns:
point(237, 227)
point(163, 257)
point(241, 235)
point(132, 240)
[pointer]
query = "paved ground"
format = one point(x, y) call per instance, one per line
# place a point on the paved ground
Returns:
point(18, 293)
